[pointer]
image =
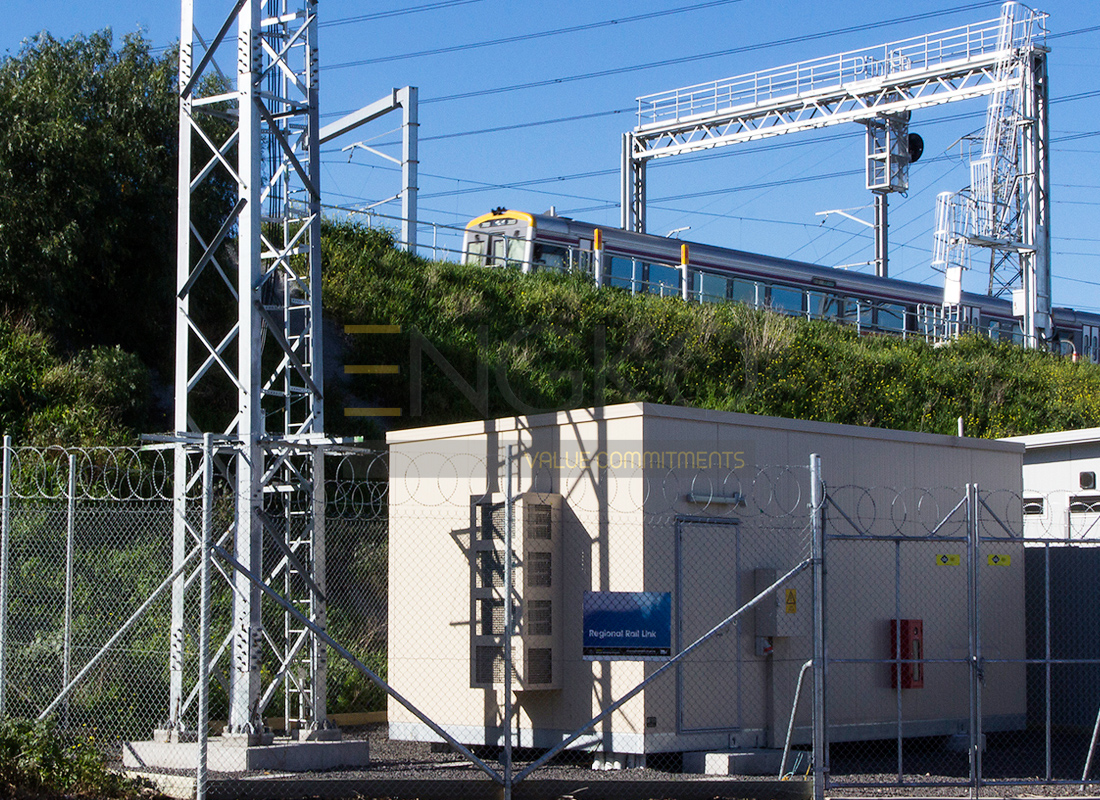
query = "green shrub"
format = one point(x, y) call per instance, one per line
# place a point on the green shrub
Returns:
point(37, 760)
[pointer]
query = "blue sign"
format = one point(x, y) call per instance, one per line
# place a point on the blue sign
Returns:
point(629, 626)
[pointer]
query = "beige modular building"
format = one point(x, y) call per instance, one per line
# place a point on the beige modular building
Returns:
point(644, 502)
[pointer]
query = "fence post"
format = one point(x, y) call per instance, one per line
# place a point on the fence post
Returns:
point(817, 522)
point(67, 645)
point(204, 616)
point(509, 509)
point(897, 660)
point(5, 540)
point(979, 659)
point(972, 634)
point(318, 605)
point(1046, 658)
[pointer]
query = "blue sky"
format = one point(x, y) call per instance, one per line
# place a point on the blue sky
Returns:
point(485, 143)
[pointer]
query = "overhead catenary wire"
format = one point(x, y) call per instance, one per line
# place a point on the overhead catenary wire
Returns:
point(525, 37)
point(684, 59)
point(400, 12)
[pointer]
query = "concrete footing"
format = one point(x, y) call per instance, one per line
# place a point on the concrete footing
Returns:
point(617, 761)
point(238, 754)
point(741, 762)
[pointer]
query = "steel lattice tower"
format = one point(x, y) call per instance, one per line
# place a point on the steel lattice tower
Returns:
point(1004, 215)
point(1007, 209)
point(256, 127)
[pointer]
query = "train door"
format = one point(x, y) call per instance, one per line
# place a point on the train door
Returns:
point(584, 260)
point(1090, 343)
point(508, 249)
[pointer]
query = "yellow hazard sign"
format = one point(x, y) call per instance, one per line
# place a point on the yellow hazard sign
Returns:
point(792, 601)
point(948, 559)
point(999, 559)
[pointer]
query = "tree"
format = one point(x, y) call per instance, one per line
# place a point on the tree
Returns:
point(88, 144)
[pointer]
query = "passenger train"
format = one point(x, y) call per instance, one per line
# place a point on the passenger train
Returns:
point(644, 263)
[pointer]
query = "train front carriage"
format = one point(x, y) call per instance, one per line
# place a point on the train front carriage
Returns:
point(500, 239)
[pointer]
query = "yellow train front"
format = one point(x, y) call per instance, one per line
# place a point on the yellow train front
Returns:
point(500, 238)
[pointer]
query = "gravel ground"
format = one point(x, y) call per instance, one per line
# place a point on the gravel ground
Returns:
point(863, 769)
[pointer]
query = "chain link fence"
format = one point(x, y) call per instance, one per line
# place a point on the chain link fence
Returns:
point(978, 636)
point(621, 622)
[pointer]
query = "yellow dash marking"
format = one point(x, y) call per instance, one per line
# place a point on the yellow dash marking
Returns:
point(371, 369)
point(372, 412)
point(372, 329)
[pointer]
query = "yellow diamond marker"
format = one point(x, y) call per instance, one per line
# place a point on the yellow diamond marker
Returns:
point(948, 560)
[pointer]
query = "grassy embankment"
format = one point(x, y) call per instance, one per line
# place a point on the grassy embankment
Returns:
point(532, 343)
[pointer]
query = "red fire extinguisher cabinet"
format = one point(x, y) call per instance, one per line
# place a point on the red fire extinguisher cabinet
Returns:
point(912, 651)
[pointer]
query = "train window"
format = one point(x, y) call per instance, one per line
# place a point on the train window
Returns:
point(839, 308)
point(829, 306)
point(548, 256)
point(822, 306)
point(516, 252)
point(785, 299)
point(475, 255)
point(743, 291)
point(581, 260)
point(712, 288)
point(890, 317)
point(620, 272)
point(496, 252)
point(1007, 330)
point(663, 280)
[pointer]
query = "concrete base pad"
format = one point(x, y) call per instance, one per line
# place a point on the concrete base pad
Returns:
point(316, 735)
point(741, 762)
point(181, 787)
point(229, 756)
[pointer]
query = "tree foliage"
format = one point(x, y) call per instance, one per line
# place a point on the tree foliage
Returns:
point(88, 144)
point(97, 396)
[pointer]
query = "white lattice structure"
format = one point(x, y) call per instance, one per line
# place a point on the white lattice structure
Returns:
point(1006, 209)
point(254, 124)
